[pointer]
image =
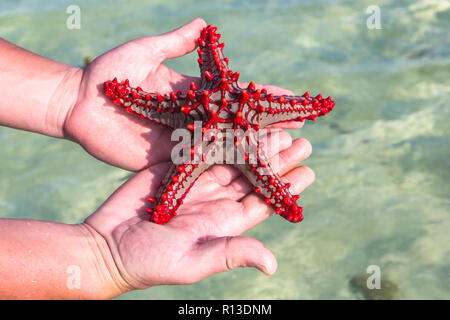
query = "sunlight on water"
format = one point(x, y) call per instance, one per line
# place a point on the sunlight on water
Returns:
point(381, 158)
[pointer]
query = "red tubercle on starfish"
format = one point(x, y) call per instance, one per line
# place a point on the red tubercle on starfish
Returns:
point(218, 103)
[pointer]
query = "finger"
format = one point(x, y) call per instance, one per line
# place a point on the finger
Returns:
point(277, 91)
point(281, 163)
point(226, 253)
point(256, 210)
point(211, 184)
point(228, 217)
point(182, 82)
point(275, 141)
point(287, 125)
point(180, 41)
point(270, 88)
point(234, 186)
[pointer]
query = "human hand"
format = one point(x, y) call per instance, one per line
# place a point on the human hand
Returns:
point(113, 136)
point(203, 238)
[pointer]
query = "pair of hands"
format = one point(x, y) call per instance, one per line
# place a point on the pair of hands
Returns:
point(204, 238)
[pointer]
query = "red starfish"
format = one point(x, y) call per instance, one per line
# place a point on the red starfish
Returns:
point(220, 105)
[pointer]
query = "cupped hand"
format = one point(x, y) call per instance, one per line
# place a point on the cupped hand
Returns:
point(204, 238)
point(114, 136)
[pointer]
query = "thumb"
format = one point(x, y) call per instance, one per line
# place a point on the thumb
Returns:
point(181, 41)
point(226, 253)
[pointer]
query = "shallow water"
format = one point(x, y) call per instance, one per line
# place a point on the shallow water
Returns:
point(381, 158)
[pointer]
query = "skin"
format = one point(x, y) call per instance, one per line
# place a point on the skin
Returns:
point(116, 249)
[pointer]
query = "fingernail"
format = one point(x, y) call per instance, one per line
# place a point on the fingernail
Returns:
point(263, 268)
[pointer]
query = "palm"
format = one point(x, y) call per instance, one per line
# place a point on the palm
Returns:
point(114, 137)
point(102, 129)
point(201, 240)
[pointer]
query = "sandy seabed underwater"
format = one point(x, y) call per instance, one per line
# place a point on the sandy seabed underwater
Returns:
point(381, 158)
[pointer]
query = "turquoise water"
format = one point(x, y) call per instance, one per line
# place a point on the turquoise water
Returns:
point(381, 196)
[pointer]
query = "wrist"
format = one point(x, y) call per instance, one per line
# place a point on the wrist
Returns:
point(63, 100)
point(107, 281)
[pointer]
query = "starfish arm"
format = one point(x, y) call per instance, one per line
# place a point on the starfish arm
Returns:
point(219, 104)
point(270, 109)
point(213, 64)
point(173, 189)
point(269, 185)
point(169, 109)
